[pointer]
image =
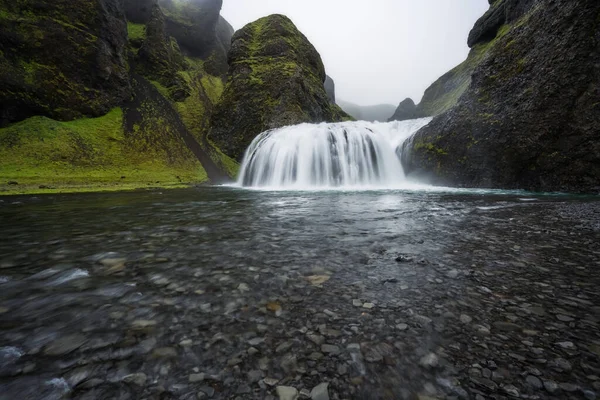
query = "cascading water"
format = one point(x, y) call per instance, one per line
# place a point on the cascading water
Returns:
point(315, 156)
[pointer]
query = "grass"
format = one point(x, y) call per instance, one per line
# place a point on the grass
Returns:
point(42, 155)
point(136, 31)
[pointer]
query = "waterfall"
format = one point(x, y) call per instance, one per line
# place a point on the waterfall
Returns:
point(316, 156)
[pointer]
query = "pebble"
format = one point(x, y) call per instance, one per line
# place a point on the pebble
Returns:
point(402, 327)
point(287, 393)
point(534, 382)
point(195, 378)
point(431, 360)
point(330, 349)
point(138, 379)
point(465, 319)
point(357, 303)
point(550, 386)
point(320, 392)
point(368, 306)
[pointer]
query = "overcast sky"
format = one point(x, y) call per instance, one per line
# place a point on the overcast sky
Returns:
point(377, 51)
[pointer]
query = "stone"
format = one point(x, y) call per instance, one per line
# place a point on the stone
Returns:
point(164, 352)
point(195, 378)
point(368, 306)
point(402, 327)
point(465, 319)
point(511, 390)
point(430, 360)
point(287, 393)
point(330, 349)
point(320, 392)
point(271, 381)
point(534, 382)
point(138, 379)
point(357, 303)
point(65, 345)
point(550, 386)
point(316, 339)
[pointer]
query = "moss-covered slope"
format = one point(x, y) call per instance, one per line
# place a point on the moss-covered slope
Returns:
point(276, 78)
point(161, 103)
point(530, 118)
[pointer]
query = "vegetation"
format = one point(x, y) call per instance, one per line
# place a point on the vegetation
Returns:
point(41, 155)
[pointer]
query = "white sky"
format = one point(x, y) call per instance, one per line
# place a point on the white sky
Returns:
point(377, 51)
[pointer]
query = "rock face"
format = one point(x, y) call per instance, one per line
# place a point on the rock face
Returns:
point(43, 54)
point(87, 94)
point(407, 109)
point(530, 118)
point(330, 88)
point(275, 79)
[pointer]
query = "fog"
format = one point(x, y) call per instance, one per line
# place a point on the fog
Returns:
point(377, 51)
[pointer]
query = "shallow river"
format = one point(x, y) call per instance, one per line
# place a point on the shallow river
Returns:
point(225, 293)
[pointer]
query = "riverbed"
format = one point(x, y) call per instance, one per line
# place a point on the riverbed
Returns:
point(225, 293)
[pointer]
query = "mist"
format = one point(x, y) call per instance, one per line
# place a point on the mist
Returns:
point(380, 51)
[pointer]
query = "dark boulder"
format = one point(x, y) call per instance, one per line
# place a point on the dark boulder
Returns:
point(275, 79)
point(530, 118)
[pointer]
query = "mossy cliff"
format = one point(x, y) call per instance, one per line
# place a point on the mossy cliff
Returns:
point(90, 100)
point(276, 78)
point(529, 117)
point(45, 46)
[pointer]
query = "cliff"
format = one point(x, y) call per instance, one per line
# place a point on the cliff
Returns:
point(99, 94)
point(276, 78)
point(529, 118)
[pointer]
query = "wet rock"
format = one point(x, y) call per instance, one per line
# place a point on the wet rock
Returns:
point(534, 382)
point(430, 360)
point(164, 352)
point(316, 339)
point(287, 393)
point(255, 376)
point(402, 327)
point(568, 387)
point(330, 349)
point(465, 319)
point(65, 345)
point(195, 378)
point(566, 345)
point(320, 392)
point(138, 379)
point(368, 306)
point(511, 390)
point(550, 386)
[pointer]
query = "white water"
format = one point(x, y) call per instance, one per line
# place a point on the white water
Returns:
point(351, 155)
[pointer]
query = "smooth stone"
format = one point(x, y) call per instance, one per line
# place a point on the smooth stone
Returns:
point(271, 381)
point(316, 339)
point(164, 352)
point(357, 303)
point(429, 361)
point(65, 345)
point(138, 379)
point(320, 392)
point(550, 386)
point(330, 349)
point(465, 319)
point(534, 382)
point(511, 390)
point(568, 387)
point(402, 327)
point(195, 378)
point(287, 393)
point(368, 306)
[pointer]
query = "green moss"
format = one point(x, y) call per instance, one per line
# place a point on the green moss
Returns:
point(86, 154)
point(430, 147)
point(136, 33)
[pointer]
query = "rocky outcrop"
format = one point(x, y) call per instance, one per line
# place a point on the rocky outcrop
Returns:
point(378, 112)
point(407, 109)
point(65, 61)
point(330, 88)
point(275, 79)
point(531, 116)
point(62, 60)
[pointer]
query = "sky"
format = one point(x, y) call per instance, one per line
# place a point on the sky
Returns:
point(376, 51)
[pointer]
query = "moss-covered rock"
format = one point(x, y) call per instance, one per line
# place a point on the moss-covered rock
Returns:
point(275, 79)
point(62, 59)
point(530, 118)
point(67, 61)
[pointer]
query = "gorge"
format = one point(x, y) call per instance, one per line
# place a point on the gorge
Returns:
point(191, 212)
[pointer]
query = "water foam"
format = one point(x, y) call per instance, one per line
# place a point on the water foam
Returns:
point(346, 155)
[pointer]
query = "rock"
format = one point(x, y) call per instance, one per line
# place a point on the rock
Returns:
point(143, 324)
point(330, 349)
point(195, 378)
point(566, 345)
point(65, 345)
point(357, 303)
point(316, 339)
point(164, 352)
point(430, 360)
point(287, 393)
point(406, 110)
point(138, 379)
point(550, 386)
point(330, 88)
point(368, 306)
point(402, 327)
point(568, 387)
point(242, 287)
point(286, 89)
point(507, 326)
point(511, 390)
point(270, 381)
point(465, 319)
point(320, 392)
point(534, 382)
point(516, 122)
point(35, 90)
